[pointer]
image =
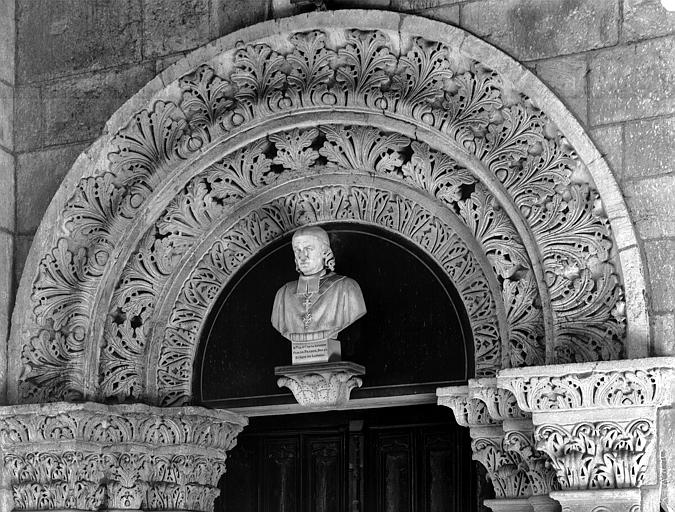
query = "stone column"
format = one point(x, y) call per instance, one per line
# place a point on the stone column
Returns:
point(510, 482)
point(89, 456)
point(597, 423)
point(519, 442)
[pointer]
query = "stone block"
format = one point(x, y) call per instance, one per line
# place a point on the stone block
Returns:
point(76, 109)
point(170, 27)
point(7, 46)
point(664, 334)
point(164, 62)
point(39, 175)
point(632, 82)
point(661, 264)
point(28, 118)
point(6, 190)
point(666, 457)
point(6, 291)
point(645, 19)
point(537, 29)
point(649, 147)
point(61, 37)
point(360, 4)
point(228, 16)
point(566, 76)
point(609, 140)
point(6, 115)
point(650, 203)
point(21, 249)
point(446, 14)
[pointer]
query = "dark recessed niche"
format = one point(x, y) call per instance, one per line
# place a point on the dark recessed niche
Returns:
point(415, 336)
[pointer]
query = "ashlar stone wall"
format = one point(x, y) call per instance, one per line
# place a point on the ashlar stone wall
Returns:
point(612, 62)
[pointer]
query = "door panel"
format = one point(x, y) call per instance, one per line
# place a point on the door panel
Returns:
point(281, 472)
point(351, 462)
point(325, 474)
point(393, 472)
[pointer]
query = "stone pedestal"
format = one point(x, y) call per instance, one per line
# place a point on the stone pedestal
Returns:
point(89, 456)
point(321, 385)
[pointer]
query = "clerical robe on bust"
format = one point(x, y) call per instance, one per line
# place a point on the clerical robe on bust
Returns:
point(311, 311)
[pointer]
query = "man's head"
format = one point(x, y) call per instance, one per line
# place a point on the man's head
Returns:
point(311, 247)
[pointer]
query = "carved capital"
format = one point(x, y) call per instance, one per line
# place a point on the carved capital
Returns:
point(504, 467)
point(598, 455)
point(92, 456)
point(610, 384)
point(321, 384)
point(468, 411)
point(501, 403)
point(537, 465)
point(596, 422)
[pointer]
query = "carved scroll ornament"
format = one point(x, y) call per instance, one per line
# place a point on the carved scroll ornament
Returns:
point(520, 190)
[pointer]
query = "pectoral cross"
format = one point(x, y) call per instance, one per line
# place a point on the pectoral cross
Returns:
point(307, 302)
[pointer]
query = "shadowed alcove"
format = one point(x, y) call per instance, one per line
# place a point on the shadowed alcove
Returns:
point(415, 336)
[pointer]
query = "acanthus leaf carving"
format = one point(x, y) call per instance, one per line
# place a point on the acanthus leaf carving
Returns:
point(598, 455)
point(424, 82)
point(91, 456)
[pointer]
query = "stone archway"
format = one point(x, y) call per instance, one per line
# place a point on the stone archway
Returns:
point(431, 113)
point(463, 151)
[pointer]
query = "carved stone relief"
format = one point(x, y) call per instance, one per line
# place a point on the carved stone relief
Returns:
point(442, 123)
point(91, 456)
point(503, 442)
point(367, 205)
point(597, 424)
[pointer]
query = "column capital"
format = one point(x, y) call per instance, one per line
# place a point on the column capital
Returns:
point(89, 456)
point(501, 403)
point(597, 424)
point(469, 411)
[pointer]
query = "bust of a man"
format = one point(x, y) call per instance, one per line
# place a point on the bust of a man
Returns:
point(311, 311)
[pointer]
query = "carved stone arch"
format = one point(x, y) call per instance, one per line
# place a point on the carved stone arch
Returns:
point(430, 83)
point(324, 198)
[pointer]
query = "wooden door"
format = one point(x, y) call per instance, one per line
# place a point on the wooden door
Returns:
point(399, 460)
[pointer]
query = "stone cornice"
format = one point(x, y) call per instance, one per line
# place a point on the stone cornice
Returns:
point(602, 385)
point(138, 424)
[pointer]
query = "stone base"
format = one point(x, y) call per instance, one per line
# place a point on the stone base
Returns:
point(616, 500)
point(544, 504)
point(321, 385)
point(509, 505)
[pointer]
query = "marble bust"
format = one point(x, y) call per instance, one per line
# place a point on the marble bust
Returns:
point(311, 311)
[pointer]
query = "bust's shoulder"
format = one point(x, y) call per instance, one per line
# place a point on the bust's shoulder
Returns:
point(289, 286)
point(344, 281)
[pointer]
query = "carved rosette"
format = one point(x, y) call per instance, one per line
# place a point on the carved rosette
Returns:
point(597, 423)
point(93, 319)
point(128, 457)
point(321, 385)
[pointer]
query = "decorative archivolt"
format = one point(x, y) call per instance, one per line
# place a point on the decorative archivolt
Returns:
point(424, 116)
